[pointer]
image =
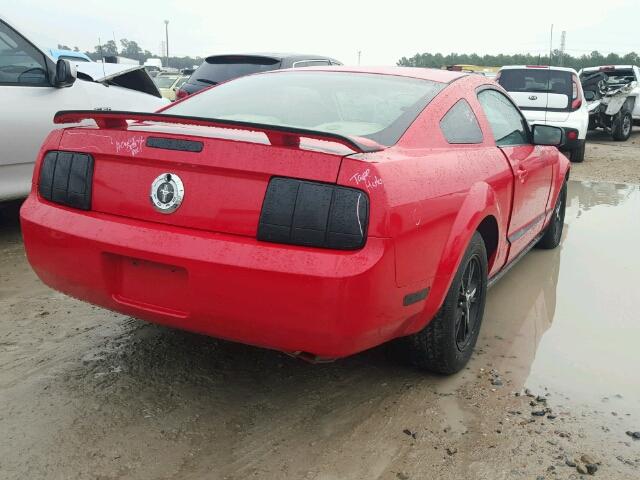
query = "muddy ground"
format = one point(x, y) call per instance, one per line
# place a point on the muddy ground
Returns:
point(554, 385)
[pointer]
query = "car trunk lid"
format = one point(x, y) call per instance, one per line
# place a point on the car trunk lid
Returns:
point(224, 171)
point(133, 77)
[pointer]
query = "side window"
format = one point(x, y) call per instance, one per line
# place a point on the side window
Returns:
point(311, 63)
point(460, 125)
point(20, 62)
point(508, 126)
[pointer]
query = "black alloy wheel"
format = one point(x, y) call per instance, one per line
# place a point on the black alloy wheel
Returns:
point(468, 306)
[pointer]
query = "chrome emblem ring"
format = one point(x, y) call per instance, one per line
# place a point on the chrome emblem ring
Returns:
point(167, 192)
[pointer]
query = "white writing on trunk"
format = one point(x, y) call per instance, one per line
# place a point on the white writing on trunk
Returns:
point(132, 145)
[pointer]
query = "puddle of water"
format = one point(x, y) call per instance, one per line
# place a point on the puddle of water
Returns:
point(568, 319)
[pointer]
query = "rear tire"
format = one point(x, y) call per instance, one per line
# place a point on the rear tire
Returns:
point(577, 154)
point(553, 234)
point(445, 345)
point(622, 126)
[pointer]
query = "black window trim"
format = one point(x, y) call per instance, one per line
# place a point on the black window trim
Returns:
point(462, 99)
point(481, 89)
point(48, 65)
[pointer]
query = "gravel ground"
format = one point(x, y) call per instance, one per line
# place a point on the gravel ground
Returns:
point(609, 161)
point(90, 394)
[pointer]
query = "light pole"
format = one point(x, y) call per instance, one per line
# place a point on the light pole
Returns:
point(166, 32)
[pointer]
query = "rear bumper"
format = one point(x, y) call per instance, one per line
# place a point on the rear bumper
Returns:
point(327, 303)
point(572, 144)
point(579, 123)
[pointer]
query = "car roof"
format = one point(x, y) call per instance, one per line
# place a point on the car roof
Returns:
point(274, 55)
point(537, 67)
point(57, 53)
point(433, 74)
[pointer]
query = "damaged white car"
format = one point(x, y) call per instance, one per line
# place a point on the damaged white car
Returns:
point(33, 87)
point(612, 93)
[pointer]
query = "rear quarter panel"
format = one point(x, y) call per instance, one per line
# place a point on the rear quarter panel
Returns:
point(430, 197)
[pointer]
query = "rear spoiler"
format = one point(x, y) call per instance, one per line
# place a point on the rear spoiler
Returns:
point(277, 135)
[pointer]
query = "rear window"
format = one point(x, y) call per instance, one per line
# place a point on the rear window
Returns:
point(379, 107)
point(163, 81)
point(220, 69)
point(536, 80)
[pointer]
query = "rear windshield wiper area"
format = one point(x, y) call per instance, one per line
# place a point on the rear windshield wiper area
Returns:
point(205, 80)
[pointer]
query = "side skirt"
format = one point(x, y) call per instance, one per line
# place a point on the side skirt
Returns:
point(507, 267)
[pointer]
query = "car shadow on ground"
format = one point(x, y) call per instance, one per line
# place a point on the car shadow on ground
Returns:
point(10, 220)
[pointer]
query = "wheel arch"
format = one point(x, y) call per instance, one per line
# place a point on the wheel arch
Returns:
point(488, 230)
point(480, 212)
point(629, 104)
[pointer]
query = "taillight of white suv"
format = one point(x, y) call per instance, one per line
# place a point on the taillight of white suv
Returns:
point(576, 95)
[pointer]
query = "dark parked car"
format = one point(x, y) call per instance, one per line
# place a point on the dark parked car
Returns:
point(220, 68)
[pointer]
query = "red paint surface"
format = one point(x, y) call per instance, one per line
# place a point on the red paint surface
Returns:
point(202, 269)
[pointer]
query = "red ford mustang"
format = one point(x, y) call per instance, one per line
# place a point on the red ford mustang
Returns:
point(318, 212)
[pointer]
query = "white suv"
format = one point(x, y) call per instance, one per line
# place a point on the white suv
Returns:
point(550, 96)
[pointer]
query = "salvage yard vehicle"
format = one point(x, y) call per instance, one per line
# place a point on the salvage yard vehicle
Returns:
point(347, 208)
point(612, 93)
point(33, 87)
point(221, 68)
point(70, 55)
point(550, 96)
point(169, 83)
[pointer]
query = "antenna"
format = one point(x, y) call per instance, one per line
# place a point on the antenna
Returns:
point(551, 45)
point(359, 55)
point(101, 56)
point(563, 39)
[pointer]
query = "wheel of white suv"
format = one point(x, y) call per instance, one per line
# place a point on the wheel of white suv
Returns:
point(577, 154)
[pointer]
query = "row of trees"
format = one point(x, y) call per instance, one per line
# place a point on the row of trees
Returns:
point(593, 59)
point(131, 49)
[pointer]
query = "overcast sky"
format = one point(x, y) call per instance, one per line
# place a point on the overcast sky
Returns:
point(383, 31)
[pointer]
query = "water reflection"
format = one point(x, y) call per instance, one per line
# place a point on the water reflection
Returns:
point(586, 195)
point(567, 319)
point(520, 309)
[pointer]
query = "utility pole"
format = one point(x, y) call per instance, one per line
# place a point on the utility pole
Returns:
point(359, 55)
point(166, 32)
point(563, 39)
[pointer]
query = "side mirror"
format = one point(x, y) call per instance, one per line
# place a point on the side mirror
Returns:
point(589, 95)
point(548, 135)
point(65, 74)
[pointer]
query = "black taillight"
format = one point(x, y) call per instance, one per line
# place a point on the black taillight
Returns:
point(65, 178)
point(313, 214)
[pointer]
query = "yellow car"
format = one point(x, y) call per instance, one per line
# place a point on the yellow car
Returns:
point(169, 83)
